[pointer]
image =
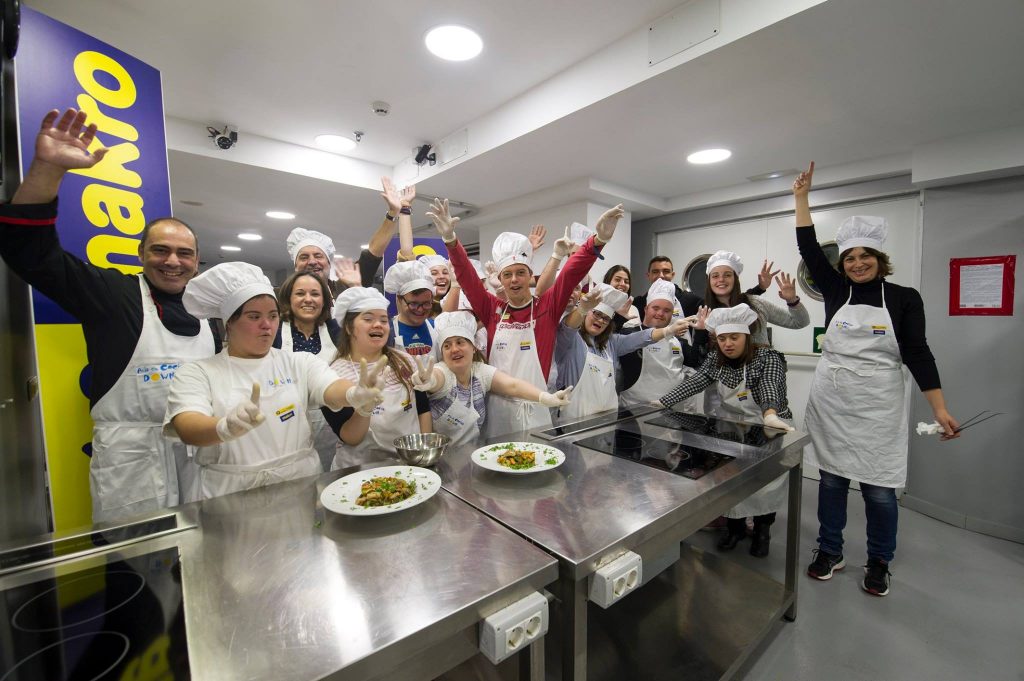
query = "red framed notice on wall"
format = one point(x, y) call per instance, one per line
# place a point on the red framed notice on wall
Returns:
point(981, 286)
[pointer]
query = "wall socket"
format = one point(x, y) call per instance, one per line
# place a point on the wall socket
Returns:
point(613, 581)
point(511, 629)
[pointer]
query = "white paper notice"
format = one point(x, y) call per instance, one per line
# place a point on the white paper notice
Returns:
point(981, 286)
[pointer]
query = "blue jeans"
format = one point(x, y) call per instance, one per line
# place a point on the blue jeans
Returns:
point(880, 507)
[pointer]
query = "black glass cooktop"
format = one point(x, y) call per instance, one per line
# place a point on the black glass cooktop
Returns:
point(121, 620)
point(690, 462)
point(720, 429)
point(624, 413)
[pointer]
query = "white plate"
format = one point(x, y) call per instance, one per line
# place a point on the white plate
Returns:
point(340, 496)
point(487, 457)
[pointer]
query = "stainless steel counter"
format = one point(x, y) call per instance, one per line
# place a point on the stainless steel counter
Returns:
point(594, 507)
point(275, 587)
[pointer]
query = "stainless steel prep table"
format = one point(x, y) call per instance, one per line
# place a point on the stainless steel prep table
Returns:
point(275, 587)
point(595, 507)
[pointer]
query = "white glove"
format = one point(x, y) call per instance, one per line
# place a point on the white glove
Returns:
point(929, 428)
point(443, 220)
point(562, 246)
point(607, 222)
point(242, 418)
point(424, 379)
point(559, 398)
point(368, 393)
point(773, 421)
point(589, 301)
point(677, 327)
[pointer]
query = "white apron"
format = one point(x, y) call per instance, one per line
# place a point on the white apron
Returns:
point(459, 420)
point(324, 439)
point(514, 351)
point(663, 370)
point(265, 458)
point(857, 411)
point(595, 391)
point(133, 468)
point(738, 404)
point(392, 418)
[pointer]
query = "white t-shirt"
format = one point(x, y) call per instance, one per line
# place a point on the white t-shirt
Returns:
point(290, 384)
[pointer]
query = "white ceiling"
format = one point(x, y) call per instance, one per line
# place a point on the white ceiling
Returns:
point(843, 81)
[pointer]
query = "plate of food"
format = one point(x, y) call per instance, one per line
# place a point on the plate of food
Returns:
point(378, 491)
point(518, 457)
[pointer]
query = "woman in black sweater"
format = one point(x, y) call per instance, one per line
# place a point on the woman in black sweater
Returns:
point(856, 414)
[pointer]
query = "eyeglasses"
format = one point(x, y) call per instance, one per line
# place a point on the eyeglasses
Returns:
point(419, 306)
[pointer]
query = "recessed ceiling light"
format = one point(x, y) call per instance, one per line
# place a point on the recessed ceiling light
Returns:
point(335, 143)
point(774, 175)
point(280, 215)
point(708, 156)
point(454, 43)
point(364, 246)
point(230, 248)
point(248, 236)
point(191, 203)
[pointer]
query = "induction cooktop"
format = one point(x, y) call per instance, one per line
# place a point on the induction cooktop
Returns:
point(720, 429)
point(121, 620)
point(690, 462)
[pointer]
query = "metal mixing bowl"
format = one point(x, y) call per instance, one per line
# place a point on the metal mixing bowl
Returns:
point(422, 449)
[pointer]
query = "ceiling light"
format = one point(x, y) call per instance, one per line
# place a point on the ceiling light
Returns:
point(335, 143)
point(774, 175)
point(248, 236)
point(708, 156)
point(364, 246)
point(454, 43)
point(280, 215)
point(230, 248)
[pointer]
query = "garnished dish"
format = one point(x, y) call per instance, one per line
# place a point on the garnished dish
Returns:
point(518, 457)
point(378, 491)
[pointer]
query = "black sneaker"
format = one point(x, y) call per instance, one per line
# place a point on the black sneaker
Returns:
point(824, 564)
point(876, 577)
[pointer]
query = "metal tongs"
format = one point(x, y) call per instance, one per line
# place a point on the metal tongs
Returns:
point(975, 420)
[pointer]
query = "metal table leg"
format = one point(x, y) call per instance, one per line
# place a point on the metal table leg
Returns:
point(574, 628)
point(531, 661)
point(793, 536)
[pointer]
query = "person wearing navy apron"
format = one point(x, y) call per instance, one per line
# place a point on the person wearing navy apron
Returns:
point(244, 408)
point(369, 437)
point(857, 412)
point(522, 328)
point(458, 386)
point(749, 381)
point(412, 329)
point(307, 326)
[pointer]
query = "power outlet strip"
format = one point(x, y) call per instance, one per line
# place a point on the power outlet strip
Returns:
point(511, 629)
point(613, 581)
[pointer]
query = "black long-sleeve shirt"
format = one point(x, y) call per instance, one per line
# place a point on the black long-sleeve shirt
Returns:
point(903, 303)
point(107, 302)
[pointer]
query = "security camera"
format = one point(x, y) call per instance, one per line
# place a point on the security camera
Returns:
point(225, 139)
point(423, 155)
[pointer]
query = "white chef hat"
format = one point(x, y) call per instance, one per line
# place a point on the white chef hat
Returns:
point(725, 258)
point(448, 324)
point(731, 319)
point(611, 299)
point(434, 260)
point(224, 288)
point(579, 233)
point(866, 231)
point(662, 290)
point(512, 248)
point(406, 277)
point(481, 273)
point(358, 299)
point(300, 238)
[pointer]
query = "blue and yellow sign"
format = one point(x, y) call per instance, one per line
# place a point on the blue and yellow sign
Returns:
point(102, 212)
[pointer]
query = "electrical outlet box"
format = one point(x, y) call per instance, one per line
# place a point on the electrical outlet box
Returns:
point(613, 581)
point(511, 629)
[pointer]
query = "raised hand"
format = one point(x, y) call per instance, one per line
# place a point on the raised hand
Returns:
point(787, 287)
point(607, 222)
point(802, 183)
point(348, 272)
point(764, 277)
point(242, 418)
point(559, 398)
point(423, 379)
point(391, 195)
point(408, 195)
point(624, 310)
point(443, 220)
point(702, 317)
point(562, 245)
point(66, 144)
point(367, 394)
point(589, 301)
point(536, 237)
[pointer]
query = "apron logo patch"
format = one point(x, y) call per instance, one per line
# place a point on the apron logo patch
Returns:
point(843, 326)
point(156, 373)
point(406, 405)
point(741, 396)
point(675, 351)
point(275, 382)
point(454, 421)
point(879, 330)
point(285, 413)
point(525, 345)
point(501, 345)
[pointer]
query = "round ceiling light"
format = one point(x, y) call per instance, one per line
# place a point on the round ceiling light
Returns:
point(230, 248)
point(709, 156)
point(453, 43)
point(248, 236)
point(280, 215)
point(335, 143)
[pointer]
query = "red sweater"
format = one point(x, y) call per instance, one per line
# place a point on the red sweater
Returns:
point(548, 308)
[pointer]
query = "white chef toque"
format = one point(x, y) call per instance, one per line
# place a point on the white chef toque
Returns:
point(611, 299)
point(731, 319)
point(301, 237)
point(222, 289)
point(662, 290)
point(358, 299)
point(866, 231)
point(449, 324)
point(725, 258)
point(512, 248)
point(406, 277)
